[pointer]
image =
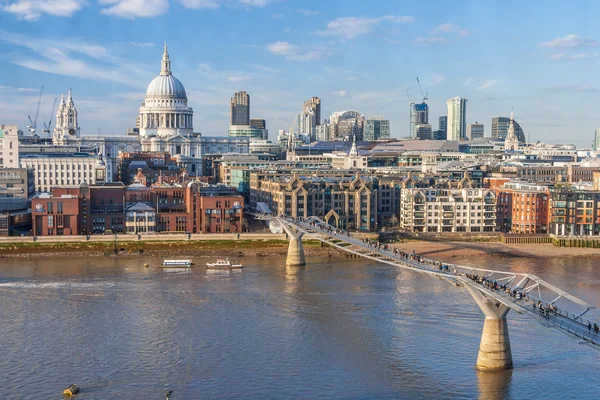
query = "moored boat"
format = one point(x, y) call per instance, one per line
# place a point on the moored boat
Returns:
point(223, 264)
point(177, 264)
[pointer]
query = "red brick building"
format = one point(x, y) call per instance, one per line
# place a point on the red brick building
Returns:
point(162, 208)
point(522, 208)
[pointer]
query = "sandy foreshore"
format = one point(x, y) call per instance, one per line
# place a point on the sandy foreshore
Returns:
point(447, 250)
point(278, 248)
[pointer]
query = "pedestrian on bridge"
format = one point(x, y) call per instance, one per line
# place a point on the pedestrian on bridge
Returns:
point(589, 326)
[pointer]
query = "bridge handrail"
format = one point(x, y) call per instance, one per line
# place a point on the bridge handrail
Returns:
point(423, 266)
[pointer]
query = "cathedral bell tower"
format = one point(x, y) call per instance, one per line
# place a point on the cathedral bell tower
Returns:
point(66, 128)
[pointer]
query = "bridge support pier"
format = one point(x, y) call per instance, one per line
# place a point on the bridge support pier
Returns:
point(295, 255)
point(494, 348)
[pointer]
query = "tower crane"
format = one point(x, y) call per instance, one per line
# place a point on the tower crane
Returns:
point(33, 123)
point(47, 126)
point(411, 118)
point(421, 89)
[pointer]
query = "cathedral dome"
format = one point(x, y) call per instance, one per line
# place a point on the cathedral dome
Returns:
point(166, 85)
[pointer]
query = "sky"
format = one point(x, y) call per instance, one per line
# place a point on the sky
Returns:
point(538, 57)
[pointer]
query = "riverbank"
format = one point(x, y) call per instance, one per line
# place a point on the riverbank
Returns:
point(265, 246)
point(189, 248)
point(449, 250)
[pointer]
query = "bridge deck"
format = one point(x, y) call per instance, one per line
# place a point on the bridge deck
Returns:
point(513, 294)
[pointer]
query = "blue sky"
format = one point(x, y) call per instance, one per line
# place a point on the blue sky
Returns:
point(539, 57)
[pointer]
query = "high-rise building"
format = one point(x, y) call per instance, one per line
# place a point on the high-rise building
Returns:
point(419, 116)
point(475, 131)
point(258, 123)
point(240, 109)
point(310, 117)
point(457, 118)
point(500, 129)
point(345, 124)
point(9, 146)
point(441, 133)
point(596, 145)
point(443, 123)
point(423, 132)
point(376, 128)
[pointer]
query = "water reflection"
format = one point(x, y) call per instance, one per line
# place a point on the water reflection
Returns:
point(494, 385)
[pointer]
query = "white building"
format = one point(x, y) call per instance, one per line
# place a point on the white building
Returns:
point(9, 146)
point(448, 210)
point(376, 128)
point(457, 118)
point(511, 142)
point(64, 170)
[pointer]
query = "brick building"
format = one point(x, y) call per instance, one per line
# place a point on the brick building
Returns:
point(522, 208)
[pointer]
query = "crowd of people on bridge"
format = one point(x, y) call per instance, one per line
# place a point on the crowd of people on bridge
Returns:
point(417, 261)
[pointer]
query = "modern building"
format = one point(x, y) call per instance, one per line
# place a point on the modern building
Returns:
point(16, 186)
point(423, 132)
point(346, 124)
point(448, 210)
point(258, 123)
point(457, 118)
point(376, 128)
point(310, 118)
point(240, 109)
point(323, 131)
point(9, 146)
point(441, 133)
point(596, 144)
point(248, 131)
point(574, 212)
point(419, 116)
point(475, 131)
point(500, 129)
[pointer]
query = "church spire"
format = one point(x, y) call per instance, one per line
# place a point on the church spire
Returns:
point(165, 68)
point(353, 151)
point(69, 98)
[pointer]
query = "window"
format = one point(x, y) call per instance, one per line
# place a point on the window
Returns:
point(50, 221)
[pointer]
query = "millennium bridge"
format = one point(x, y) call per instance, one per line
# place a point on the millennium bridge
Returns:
point(495, 292)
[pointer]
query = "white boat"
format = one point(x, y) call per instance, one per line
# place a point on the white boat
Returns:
point(223, 264)
point(177, 264)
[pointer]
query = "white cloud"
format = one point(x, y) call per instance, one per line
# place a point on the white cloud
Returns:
point(256, 3)
point(449, 28)
point(63, 57)
point(307, 12)
point(426, 40)
point(578, 56)
point(340, 93)
point(441, 33)
point(351, 27)
point(293, 52)
point(198, 4)
point(141, 44)
point(32, 10)
point(570, 41)
point(487, 84)
point(238, 78)
point(132, 9)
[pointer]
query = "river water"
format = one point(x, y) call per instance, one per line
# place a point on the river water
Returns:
point(336, 329)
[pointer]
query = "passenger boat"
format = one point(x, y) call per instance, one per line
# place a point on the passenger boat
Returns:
point(223, 264)
point(177, 264)
point(71, 390)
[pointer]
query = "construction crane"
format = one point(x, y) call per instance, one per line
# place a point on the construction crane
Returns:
point(421, 89)
point(33, 123)
point(47, 126)
point(411, 119)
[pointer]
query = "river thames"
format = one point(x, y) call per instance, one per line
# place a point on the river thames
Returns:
point(336, 329)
